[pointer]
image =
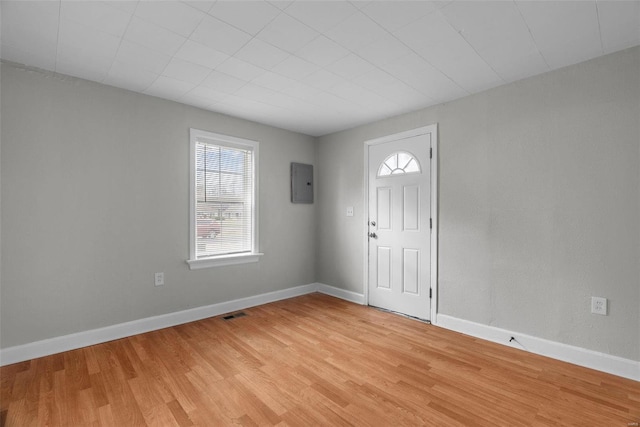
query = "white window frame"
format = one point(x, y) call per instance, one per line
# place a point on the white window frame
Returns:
point(220, 260)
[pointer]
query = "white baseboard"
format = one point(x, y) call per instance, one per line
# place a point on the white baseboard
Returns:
point(96, 336)
point(578, 356)
point(340, 293)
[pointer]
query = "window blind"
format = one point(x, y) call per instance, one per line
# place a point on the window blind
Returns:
point(224, 199)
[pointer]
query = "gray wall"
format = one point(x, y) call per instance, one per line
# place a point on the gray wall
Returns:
point(539, 204)
point(95, 200)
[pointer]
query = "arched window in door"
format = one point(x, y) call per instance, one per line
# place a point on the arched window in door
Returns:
point(399, 163)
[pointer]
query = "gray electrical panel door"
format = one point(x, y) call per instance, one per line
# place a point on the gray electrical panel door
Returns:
point(301, 183)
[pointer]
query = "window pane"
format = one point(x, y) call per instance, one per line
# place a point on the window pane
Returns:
point(404, 159)
point(212, 185)
point(212, 158)
point(384, 170)
point(392, 161)
point(231, 186)
point(200, 186)
point(412, 166)
point(232, 160)
point(224, 200)
point(200, 149)
point(399, 163)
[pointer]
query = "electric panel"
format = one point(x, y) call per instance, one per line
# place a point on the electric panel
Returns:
point(301, 183)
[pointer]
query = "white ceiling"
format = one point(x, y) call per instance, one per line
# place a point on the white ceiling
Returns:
point(314, 67)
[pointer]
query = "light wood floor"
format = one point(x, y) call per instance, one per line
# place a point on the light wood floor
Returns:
point(311, 360)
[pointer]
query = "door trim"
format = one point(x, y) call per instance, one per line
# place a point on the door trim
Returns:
point(433, 130)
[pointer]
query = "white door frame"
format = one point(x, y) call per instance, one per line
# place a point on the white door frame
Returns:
point(433, 130)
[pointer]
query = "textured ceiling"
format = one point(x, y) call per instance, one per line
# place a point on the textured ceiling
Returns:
point(314, 67)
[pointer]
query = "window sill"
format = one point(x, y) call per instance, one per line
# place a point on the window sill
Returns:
point(219, 261)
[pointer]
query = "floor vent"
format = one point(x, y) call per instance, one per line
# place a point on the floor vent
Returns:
point(234, 315)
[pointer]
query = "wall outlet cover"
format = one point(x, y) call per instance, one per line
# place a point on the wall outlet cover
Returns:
point(159, 279)
point(599, 305)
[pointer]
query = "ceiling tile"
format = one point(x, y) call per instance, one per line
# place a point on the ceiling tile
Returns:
point(254, 92)
point(196, 101)
point(166, 87)
point(97, 15)
point(334, 102)
point(350, 67)
point(208, 93)
point(153, 36)
point(200, 54)
point(95, 63)
point(322, 51)
point(202, 5)
point(280, 4)
point(355, 32)
point(393, 15)
point(433, 38)
point(220, 36)
point(186, 71)
point(562, 44)
point(321, 15)
point(223, 82)
point(357, 94)
point(322, 79)
point(249, 16)
point(301, 91)
point(172, 15)
point(273, 81)
point(387, 86)
point(261, 54)
point(422, 76)
point(383, 50)
point(87, 43)
point(295, 68)
point(284, 101)
point(619, 24)
point(127, 6)
point(139, 56)
point(287, 33)
point(241, 69)
point(82, 69)
point(30, 27)
point(496, 30)
point(129, 77)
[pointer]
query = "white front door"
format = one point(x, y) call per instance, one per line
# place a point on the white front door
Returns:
point(399, 225)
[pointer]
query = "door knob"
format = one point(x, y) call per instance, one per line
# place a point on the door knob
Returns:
point(373, 235)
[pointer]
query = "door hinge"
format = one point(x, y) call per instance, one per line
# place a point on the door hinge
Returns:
point(431, 153)
point(430, 293)
point(430, 223)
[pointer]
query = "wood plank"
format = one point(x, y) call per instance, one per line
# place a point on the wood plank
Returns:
point(310, 360)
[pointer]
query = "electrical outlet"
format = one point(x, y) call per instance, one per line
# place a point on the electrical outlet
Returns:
point(599, 305)
point(159, 279)
point(349, 210)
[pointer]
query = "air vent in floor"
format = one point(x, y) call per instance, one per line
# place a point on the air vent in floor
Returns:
point(234, 315)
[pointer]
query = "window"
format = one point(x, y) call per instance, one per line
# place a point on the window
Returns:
point(223, 214)
point(399, 163)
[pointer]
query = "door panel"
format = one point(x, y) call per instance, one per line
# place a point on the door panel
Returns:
point(411, 276)
point(384, 267)
point(384, 208)
point(411, 208)
point(399, 243)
